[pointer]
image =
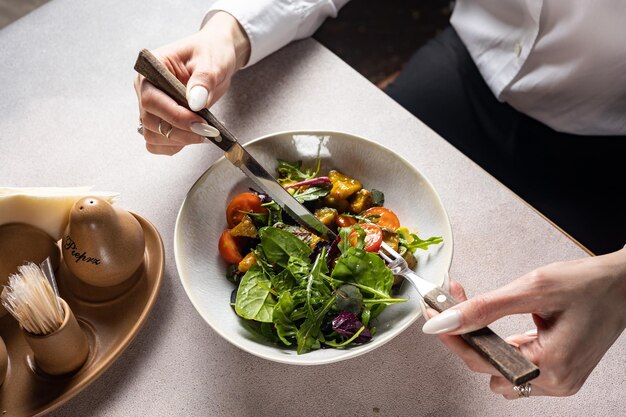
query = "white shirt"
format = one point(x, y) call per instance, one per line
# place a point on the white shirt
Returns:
point(562, 62)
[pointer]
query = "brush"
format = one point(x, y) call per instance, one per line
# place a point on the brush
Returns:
point(32, 300)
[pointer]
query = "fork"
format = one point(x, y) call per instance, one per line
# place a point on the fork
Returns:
point(504, 357)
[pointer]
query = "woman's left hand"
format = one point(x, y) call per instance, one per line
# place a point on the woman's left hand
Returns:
point(579, 309)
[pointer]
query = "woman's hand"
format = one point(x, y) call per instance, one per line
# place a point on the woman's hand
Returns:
point(579, 308)
point(205, 62)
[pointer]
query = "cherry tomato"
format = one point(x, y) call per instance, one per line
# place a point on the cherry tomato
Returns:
point(240, 204)
point(373, 237)
point(228, 248)
point(344, 221)
point(386, 219)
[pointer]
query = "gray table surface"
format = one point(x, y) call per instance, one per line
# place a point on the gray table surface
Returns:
point(68, 116)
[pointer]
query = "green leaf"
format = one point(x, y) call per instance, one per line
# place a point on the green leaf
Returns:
point(298, 268)
point(279, 246)
point(319, 299)
point(285, 328)
point(293, 171)
point(254, 299)
point(412, 242)
point(311, 194)
point(310, 335)
point(344, 234)
point(283, 281)
point(365, 269)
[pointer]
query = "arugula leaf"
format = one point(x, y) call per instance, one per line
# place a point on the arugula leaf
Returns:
point(310, 335)
point(311, 194)
point(412, 242)
point(279, 246)
point(319, 294)
point(254, 299)
point(344, 234)
point(292, 171)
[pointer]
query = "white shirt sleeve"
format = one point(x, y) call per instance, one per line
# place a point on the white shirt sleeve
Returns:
point(272, 24)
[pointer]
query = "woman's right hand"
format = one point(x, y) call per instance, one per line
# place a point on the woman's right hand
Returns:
point(205, 62)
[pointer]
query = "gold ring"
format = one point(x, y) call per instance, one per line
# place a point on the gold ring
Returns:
point(169, 131)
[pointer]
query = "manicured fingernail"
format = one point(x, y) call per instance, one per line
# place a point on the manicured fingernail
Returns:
point(443, 323)
point(198, 98)
point(531, 332)
point(204, 129)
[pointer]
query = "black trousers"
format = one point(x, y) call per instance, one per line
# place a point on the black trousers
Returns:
point(578, 182)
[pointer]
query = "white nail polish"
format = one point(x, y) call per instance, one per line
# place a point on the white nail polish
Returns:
point(443, 323)
point(198, 98)
point(531, 332)
point(204, 129)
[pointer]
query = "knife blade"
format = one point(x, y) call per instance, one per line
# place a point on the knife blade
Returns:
point(155, 72)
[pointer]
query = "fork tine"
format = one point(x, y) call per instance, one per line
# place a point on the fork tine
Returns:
point(385, 257)
point(390, 252)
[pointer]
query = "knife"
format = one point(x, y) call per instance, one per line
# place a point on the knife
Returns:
point(515, 367)
point(155, 72)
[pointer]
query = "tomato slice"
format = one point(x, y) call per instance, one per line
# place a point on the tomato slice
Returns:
point(240, 205)
point(228, 248)
point(386, 218)
point(373, 237)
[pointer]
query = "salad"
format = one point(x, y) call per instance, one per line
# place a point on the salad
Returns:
point(302, 291)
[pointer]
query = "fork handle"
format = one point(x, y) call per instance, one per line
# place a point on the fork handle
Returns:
point(504, 357)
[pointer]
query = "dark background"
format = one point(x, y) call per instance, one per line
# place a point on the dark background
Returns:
point(377, 37)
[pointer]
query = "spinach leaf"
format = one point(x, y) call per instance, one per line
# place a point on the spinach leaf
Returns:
point(283, 281)
point(298, 268)
point(254, 299)
point(365, 269)
point(285, 328)
point(279, 246)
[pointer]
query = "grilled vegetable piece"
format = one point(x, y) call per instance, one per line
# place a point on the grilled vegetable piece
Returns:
point(245, 228)
point(343, 186)
point(326, 215)
point(361, 201)
point(247, 262)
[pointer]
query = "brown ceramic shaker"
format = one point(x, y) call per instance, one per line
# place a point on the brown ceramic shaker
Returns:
point(62, 351)
point(102, 245)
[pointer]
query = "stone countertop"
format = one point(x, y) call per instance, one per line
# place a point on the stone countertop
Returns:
point(69, 116)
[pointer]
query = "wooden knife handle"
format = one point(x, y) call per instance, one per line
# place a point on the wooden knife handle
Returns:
point(504, 357)
point(155, 72)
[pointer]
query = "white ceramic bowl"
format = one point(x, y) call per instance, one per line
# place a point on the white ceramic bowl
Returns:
point(202, 219)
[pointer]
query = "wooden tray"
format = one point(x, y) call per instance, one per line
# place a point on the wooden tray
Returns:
point(110, 326)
